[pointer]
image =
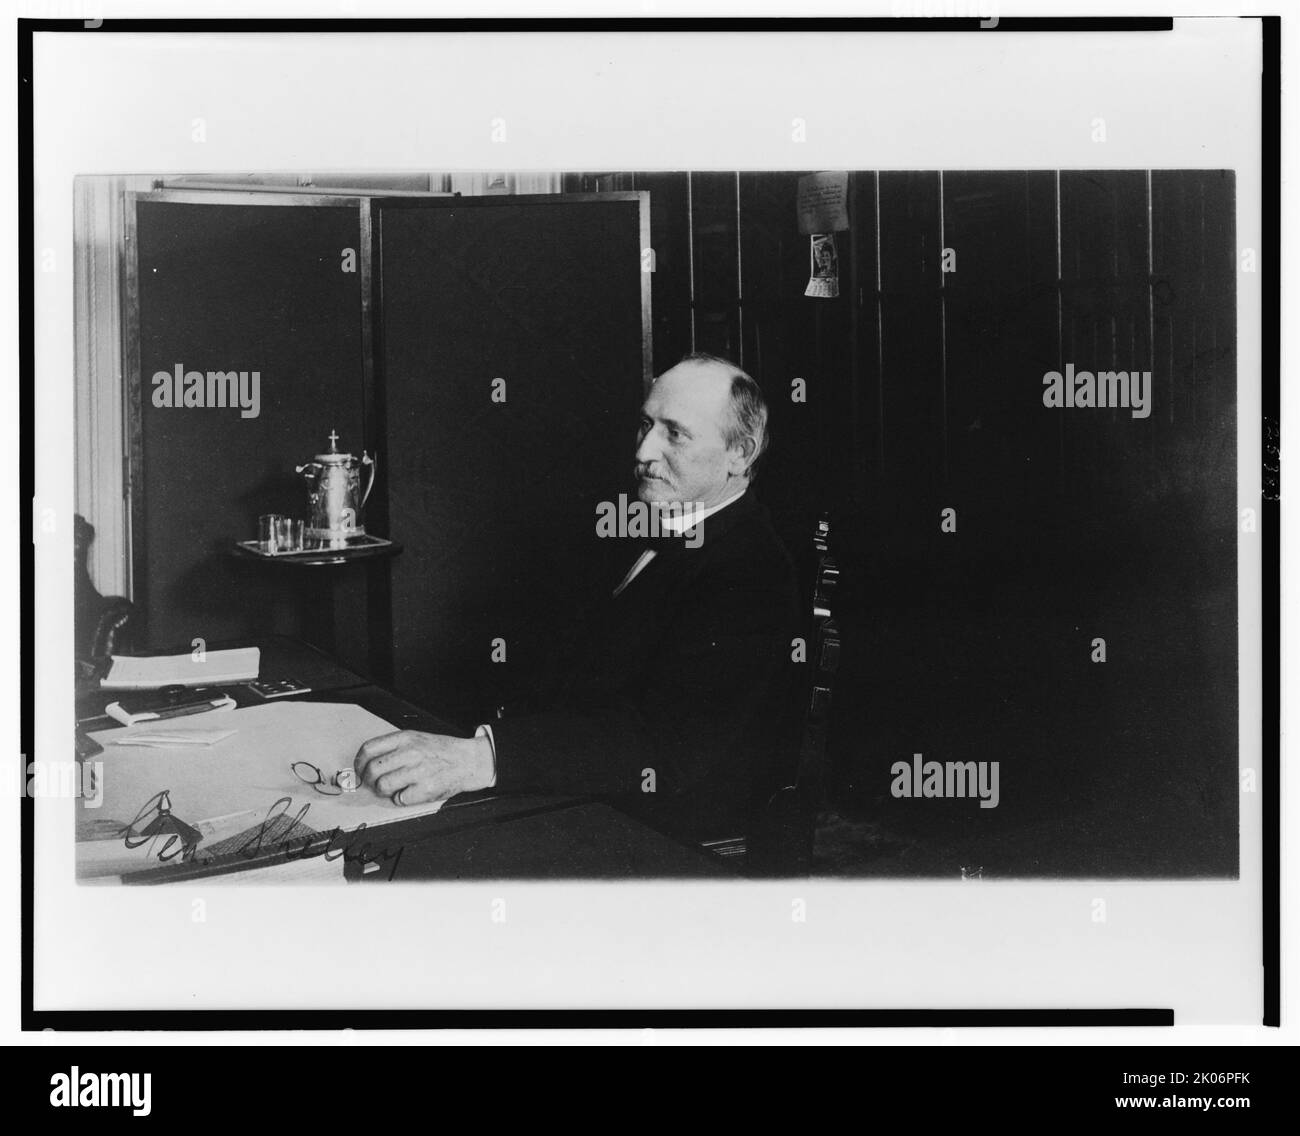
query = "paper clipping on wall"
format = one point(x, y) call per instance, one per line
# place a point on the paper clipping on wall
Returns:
point(822, 203)
point(824, 283)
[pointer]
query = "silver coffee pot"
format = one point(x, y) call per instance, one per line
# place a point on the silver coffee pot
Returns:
point(334, 494)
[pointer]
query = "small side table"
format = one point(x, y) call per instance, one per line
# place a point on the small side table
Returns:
point(348, 617)
point(359, 548)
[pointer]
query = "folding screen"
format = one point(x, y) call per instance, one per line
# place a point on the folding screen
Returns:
point(511, 351)
point(265, 285)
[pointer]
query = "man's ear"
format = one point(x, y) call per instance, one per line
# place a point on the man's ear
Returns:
point(739, 457)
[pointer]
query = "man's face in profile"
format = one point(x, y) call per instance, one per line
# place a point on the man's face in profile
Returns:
point(681, 455)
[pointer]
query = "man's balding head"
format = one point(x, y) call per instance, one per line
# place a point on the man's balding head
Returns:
point(703, 426)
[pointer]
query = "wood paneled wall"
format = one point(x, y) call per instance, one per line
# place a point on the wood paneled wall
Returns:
point(924, 392)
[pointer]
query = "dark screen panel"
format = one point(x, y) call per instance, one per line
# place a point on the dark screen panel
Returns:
point(495, 502)
point(226, 287)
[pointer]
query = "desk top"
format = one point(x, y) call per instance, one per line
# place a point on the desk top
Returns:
point(476, 836)
point(538, 838)
point(282, 658)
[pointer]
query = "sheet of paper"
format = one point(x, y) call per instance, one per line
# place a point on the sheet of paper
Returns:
point(143, 736)
point(129, 672)
point(108, 861)
point(822, 202)
point(236, 783)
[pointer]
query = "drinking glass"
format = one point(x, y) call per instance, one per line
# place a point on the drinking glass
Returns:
point(289, 535)
point(267, 536)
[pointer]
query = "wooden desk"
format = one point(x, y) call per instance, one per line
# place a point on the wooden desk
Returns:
point(475, 837)
point(282, 657)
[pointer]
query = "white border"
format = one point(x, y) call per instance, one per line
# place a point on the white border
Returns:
point(1192, 107)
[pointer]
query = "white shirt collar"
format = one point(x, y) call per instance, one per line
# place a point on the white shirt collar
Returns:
point(678, 524)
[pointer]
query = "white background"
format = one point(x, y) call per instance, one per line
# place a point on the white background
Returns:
point(109, 103)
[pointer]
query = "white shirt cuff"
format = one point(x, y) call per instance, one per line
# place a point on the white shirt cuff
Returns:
point(485, 731)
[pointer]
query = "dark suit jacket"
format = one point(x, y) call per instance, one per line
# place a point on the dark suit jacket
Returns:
point(686, 673)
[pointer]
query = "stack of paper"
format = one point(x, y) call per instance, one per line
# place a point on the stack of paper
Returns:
point(203, 668)
point(158, 738)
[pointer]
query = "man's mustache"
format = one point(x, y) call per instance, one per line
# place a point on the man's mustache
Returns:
point(647, 472)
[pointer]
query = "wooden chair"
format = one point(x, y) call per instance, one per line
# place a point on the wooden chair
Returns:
point(780, 840)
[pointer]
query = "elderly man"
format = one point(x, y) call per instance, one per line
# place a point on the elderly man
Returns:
point(678, 700)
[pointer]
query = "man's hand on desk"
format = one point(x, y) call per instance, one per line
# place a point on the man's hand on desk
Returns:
point(414, 768)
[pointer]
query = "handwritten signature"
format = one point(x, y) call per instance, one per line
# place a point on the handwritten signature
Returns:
point(351, 845)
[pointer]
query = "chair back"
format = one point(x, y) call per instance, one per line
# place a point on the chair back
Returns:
point(102, 625)
point(781, 840)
